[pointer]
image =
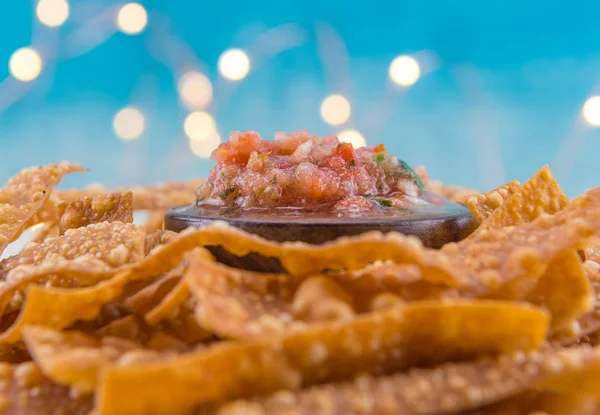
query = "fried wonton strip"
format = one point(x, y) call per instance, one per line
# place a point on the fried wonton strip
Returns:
point(564, 290)
point(169, 304)
point(108, 207)
point(59, 307)
point(482, 205)
point(420, 333)
point(162, 196)
point(541, 403)
point(46, 230)
point(154, 222)
point(149, 297)
point(539, 195)
point(114, 243)
point(83, 271)
point(234, 303)
point(501, 256)
point(24, 390)
point(303, 259)
point(447, 388)
point(457, 194)
point(25, 194)
point(73, 358)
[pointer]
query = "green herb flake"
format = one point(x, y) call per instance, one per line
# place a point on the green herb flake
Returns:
point(274, 179)
point(383, 202)
point(379, 158)
point(352, 163)
point(227, 192)
point(411, 174)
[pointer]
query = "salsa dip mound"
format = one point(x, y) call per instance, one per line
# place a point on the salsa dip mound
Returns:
point(303, 171)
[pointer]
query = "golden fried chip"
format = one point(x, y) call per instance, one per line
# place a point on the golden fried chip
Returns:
point(457, 194)
point(482, 205)
point(161, 197)
point(447, 388)
point(541, 403)
point(45, 231)
point(72, 358)
point(539, 195)
point(24, 390)
point(114, 243)
point(504, 256)
point(108, 207)
point(169, 304)
point(84, 270)
point(149, 297)
point(59, 307)
point(234, 303)
point(419, 333)
point(25, 194)
point(564, 290)
point(154, 222)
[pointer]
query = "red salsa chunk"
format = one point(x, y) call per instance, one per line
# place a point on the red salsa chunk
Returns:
point(303, 171)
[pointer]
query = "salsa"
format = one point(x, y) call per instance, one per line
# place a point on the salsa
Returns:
point(306, 172)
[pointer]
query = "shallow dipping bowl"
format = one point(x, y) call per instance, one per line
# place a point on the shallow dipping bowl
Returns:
point(434, 225)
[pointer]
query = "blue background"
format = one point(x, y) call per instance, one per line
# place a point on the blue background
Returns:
point(503, 96)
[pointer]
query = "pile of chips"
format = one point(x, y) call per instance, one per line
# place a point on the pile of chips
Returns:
point(103, 316)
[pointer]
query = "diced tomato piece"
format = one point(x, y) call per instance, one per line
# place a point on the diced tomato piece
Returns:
point(239, 147)
point(380, 148)
point(346, 151)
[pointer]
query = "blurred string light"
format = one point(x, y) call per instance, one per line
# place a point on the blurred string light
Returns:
point(129, 123)
point(25, 64)
point(591, 111)
point(335, 109)
point(195, 90)
point(204, 148)
point(234, 64)
point(353, 137)
point(52, 13)
point(405, 70)
point(132, 18)
point(199, 126)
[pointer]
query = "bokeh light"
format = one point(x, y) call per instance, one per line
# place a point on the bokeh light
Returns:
point(234, 64)
point(335, 109)
point(405, 70)
point(195, 90)
point(132, 18)
point(204, 148)
point(25, 64)
point(52, 13)
point(591, 111)
point(199, 126)
point(353, 137)
point(129, 123)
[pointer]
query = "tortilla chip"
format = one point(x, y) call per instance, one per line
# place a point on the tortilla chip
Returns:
point(25, 194)
point(482, 205)
point(448, 388)
point(158, 197)
point(25, 390)
point(539, 195)
point(420, 333)
point(72, 358)
point(109, 207)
